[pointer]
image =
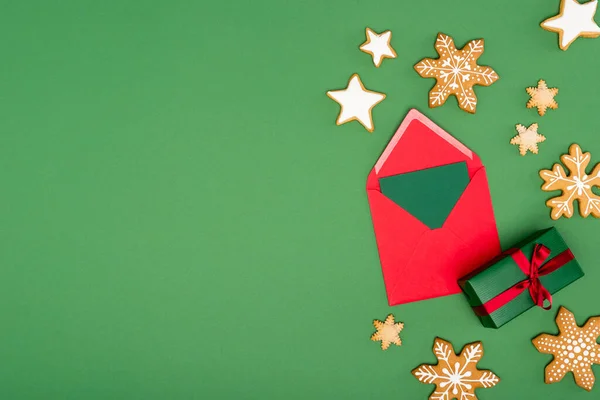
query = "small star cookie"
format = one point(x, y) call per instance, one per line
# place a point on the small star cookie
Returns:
point(575, 186)
point(527, 139)
point(574, 20)
point(387, 332)
point(456, 72)
point(356, 103)
point(455, 377)
point(378, 46)
point(542, 97)
point(574, 349)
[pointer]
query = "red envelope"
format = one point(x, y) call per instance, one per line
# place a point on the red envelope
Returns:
point(419, 262)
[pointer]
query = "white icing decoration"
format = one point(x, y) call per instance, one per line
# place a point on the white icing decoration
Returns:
point(356, 103)
point(565, 361)
point(378, 45)
point(456, 381)
point(575, 20)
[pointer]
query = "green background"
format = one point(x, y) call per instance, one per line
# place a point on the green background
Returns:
point(181, 218)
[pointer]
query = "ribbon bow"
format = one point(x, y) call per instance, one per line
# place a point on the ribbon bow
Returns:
point(534, 270)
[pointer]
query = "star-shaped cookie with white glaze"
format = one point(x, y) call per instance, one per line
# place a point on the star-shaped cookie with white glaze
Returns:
point(356, 103)
point(378, 46)
point(387, 332)
point(527, 139)
point(574, 349)
point(574, 20)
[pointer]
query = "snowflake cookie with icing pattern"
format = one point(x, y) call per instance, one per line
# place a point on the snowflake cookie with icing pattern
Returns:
point(575, 186)
point(456, 72)
point(574, 349)
point(388, 332)
point(455, 376)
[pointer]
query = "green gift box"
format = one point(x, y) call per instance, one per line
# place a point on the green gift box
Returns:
point(507, 286)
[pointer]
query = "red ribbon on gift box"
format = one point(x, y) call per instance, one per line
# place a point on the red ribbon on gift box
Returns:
point(533, 270)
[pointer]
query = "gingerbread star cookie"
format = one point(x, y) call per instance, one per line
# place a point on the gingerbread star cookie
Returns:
point(527, 139)
point(456, 72)
point(378, 46)
point(542, 97)
point(574, 20)
point(574, 349)
point(356, 103)
point(455, 377)
point(575, 186)
point(387, 332)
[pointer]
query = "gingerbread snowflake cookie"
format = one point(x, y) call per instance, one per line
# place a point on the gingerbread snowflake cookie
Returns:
point(577, 185)
point(388, 332)
point(542, 97)
point(574, 349)
point(456, 72)
point(455, 376)
point(527, 139)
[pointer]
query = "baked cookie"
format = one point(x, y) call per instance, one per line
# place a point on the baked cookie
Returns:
point(527, 139)
point(456, 72)
point(387, 332)
point(542, 97)
point(575, 186)
point(574, 20)
point(378, 46)
point(455, 376)
point(356, 103)
point(574, 349)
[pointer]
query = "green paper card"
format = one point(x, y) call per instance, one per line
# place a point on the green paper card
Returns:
point(429, 194)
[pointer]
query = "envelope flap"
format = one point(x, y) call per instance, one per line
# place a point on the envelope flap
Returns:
point(420, 144)
point(429, 194)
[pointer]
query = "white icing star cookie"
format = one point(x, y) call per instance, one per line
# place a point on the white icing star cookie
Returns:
point(356, 103)
point(574, 20)
point(378, 46)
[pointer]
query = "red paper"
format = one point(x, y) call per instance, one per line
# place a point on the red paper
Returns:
point(419, 263)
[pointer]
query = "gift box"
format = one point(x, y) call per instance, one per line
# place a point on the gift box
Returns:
point(521, 278)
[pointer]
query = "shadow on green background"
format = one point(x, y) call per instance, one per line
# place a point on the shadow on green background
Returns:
point(182, 219)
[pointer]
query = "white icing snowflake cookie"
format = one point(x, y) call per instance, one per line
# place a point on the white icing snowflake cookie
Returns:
point(455, 376)
point(456, 72)
point(574, 349)
point(576, 185)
